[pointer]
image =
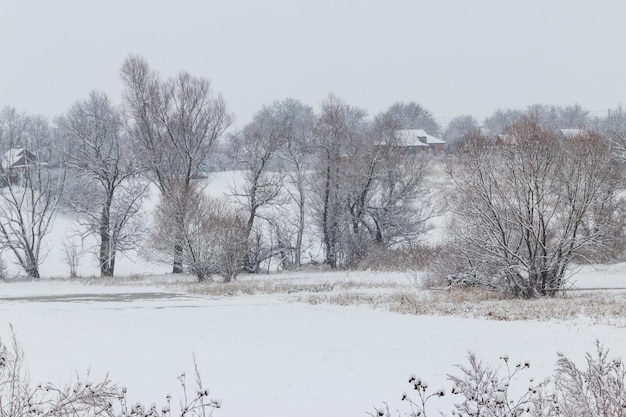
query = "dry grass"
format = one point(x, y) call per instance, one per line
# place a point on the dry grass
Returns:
point(600, 307)
point(256, 287)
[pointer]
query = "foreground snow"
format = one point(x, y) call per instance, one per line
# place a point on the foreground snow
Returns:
point(265, 355)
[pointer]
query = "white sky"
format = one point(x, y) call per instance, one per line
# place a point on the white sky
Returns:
point(453, 57)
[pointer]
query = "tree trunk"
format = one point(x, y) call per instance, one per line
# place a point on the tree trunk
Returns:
point(177, 268)
point(33, 272)
point(328, 221)
point(108, 269)
point(106, 254)
point(300, 234)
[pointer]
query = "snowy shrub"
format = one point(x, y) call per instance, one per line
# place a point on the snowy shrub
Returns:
point(84, 397)
point(209, 234)
point(598, 390)
point(72, 254)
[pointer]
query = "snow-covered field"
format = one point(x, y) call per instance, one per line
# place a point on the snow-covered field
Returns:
point(266, 354)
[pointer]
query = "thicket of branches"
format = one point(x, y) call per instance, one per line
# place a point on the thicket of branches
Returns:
point(212, 235)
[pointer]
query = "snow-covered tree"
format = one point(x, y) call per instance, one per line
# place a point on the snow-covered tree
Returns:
point(400, 204)
point(500, 120)
point(614, 128)
point(254, 149)
point(107, 190)
point(13, 129)
point(275, 150)
point(340, 128)
point(412, 116)
point(174, 124)
point(524, 209)
point(295, 158)
point(457, 129)
point(31, 132)
point(28, 204)
point(548, 117)
point(559, 117)
point(369, 194)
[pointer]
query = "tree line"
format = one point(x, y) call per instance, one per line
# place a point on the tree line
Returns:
point(330, 180)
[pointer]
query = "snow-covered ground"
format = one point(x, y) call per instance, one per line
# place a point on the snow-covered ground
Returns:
point(266, 355)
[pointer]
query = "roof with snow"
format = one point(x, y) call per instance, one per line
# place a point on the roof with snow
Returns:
point(18, 158)
point(418, 137)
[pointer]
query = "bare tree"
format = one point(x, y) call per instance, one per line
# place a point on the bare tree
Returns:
point(526, 208)
point(339, 127)
point(401, 205)
point(31, 132)
point(387, 204)
point(27, 207)
point(257, 148)
point(457, 129)
point(500, 120)
point(174, 124)
point(296, 161)
point(614, 128)
point(73, 252)
point(109, 191)
point(412, 116)
point(559, 117)
point(13, 129)
point(369, 194)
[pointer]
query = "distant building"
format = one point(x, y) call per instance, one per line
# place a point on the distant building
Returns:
point(415, 141)
point(15, 162)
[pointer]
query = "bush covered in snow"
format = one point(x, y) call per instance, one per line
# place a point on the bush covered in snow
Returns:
point(84, 397)
point(596, 390)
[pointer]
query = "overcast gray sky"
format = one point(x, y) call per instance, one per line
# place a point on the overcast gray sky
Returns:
point(453, 57)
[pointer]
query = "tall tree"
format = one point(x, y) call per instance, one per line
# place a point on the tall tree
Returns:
point(296, 160)
point(500, 120)
point(400, 205)
point(340, 128)
point(109, 191)
point(21, 130)
point(559, 117)
point(13, 129)
point(255, 149)
point(412, 116)
point(174, 123)
point(458, 128)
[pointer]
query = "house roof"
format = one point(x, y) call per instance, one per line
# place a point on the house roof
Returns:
point(418, 137)
point(18, 158)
